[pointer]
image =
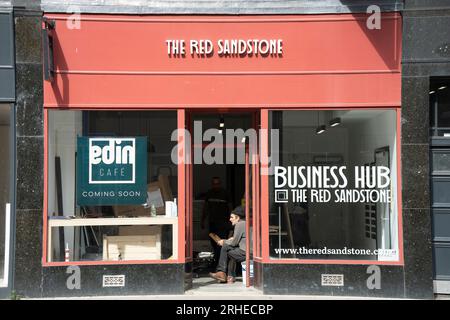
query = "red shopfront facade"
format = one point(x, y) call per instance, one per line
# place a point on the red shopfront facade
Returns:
point(129, 73)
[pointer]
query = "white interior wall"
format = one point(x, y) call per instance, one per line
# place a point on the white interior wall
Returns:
point(64, 126)
point(328, 222)
point(365, 137)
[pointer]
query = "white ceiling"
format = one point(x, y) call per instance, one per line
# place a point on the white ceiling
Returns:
point(351, 116)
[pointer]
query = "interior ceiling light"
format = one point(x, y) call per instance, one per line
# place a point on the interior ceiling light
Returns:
point(321, 129)
point(222, 122)
point(335, 122)
point(442, 88)
point(432, 91)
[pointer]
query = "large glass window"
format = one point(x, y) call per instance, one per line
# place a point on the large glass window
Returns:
point(333, 194)
point(5, 172)
point(112, 187)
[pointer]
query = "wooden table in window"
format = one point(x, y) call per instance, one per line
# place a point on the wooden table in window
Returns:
point(143, 221)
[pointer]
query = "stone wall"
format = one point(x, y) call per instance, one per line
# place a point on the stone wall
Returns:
point(30, 148)
point(425, 29)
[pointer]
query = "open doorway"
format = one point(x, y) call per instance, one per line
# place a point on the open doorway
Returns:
point(218, 189)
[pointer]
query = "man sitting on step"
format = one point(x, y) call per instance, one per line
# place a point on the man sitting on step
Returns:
point(232, 248)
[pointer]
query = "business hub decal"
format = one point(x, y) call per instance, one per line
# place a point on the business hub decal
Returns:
point(111, 170)
point(323, 184)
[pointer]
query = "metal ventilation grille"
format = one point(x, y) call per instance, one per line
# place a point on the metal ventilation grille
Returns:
point(333, 280)
point(371, 221)
point(114, 281)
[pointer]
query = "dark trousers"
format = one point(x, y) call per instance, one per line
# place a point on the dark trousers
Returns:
point(216, 249)
point(229, 256)
point(223, 233)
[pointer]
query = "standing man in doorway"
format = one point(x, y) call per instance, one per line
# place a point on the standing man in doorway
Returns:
point(216, 208)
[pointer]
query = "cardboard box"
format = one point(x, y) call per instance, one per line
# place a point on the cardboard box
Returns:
point(165, 187)
point(117, 248)
point(139, 230)
point(158, 193)
point(131, 211)
point(155, 197)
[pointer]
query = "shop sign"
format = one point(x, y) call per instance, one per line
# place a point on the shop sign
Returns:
point(111, 170)
point(323, 184)
point(225, 47)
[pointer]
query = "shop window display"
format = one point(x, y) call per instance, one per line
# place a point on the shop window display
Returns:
point(333, 194)
point(112, 187)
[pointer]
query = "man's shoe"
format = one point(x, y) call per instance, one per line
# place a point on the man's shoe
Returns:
point(231, 280)
point(220, 276)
